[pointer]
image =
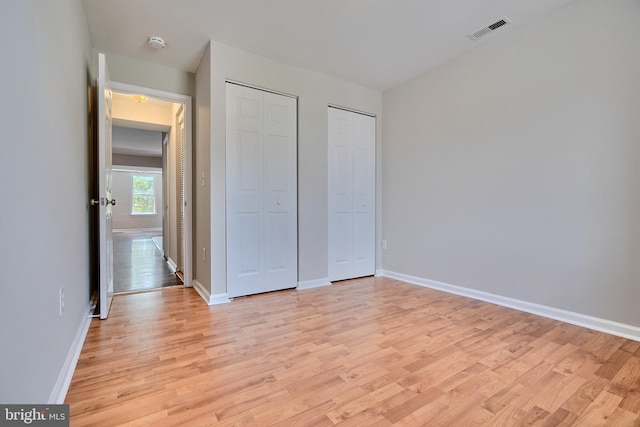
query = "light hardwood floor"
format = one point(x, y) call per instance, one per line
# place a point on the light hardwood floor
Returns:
point(367, 352)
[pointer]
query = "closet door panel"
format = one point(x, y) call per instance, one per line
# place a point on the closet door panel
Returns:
point(351, 194)
point(261, 191)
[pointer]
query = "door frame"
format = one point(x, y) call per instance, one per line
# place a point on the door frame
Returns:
point(186, 101)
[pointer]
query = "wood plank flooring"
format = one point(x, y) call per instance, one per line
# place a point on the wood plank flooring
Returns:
point(366, 352)
point(138, 265)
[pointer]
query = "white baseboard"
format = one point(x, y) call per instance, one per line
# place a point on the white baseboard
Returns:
point(207, 297)
point(66, 374)
point(172, 265)
point(603, 325)
point(310, 284)
point(379, 273)
point(218, 299)
point(135, 230)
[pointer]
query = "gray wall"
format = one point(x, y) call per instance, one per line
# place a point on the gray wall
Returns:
point(136, 141)
point(139, 161)
point(122, 192)
point(315, 92)
point(149, 75)
point(201, 161)
point(44, 228)
point(513, 169)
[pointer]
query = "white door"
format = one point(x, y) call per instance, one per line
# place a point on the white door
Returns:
point(351, 194)
point(262, 249)
point(104, 201)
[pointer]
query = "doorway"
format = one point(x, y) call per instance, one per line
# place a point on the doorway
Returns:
point(152, 228)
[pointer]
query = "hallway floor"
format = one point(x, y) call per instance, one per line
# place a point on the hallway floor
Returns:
point(138, 265)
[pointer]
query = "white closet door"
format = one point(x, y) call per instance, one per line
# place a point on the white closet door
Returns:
point(351, 194)
point(261, 191)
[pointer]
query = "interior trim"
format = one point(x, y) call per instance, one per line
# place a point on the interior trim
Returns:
point(206, 295)
point(602, 325)
point(310, 284)
point(59, 392)
point(364, 113)
point(235, 82)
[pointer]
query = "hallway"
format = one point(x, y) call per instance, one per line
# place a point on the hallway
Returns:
point(138, 264)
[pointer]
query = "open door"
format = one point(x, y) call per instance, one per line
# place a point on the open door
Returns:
point(104, 201)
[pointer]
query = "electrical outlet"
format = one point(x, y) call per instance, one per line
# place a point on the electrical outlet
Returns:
point(204, 254)
point(60, 301)
point(384, 244)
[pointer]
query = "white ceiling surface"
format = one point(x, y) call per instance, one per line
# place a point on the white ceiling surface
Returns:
point(375, 43)
point(152, 114)
point(136, 142)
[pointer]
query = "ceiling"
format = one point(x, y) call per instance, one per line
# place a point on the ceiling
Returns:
point(152, 114)
point(140, 133)
point(375, 43)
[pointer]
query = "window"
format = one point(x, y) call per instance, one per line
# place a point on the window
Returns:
point(143, 199)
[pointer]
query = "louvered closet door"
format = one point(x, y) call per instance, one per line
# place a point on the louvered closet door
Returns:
point(180, 188)
point(351, 194)
point(261, 191)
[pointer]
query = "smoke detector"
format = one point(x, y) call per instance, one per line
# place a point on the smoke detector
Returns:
point(156, 42)
point(476, 35)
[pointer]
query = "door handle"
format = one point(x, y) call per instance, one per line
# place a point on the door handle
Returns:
point(94, 202)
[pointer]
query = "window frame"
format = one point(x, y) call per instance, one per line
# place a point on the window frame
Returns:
point(135, 194)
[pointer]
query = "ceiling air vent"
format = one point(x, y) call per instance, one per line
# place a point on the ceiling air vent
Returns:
point(489, 28)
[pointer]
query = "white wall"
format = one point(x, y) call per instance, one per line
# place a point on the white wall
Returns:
point(315, 92)
point(126, 70)
point(122, 191)
point(513, 169)
point(44, 226)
